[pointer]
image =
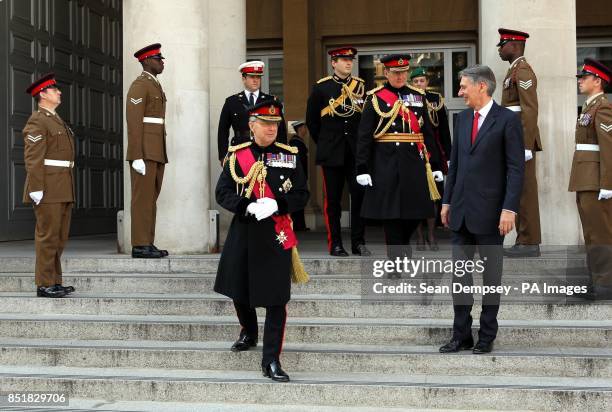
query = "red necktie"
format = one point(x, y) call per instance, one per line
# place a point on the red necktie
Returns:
point(475, 126)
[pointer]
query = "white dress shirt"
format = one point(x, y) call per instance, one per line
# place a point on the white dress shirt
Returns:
point(255, 95)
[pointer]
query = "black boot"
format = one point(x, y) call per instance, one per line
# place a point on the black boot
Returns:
point(145, 252)
point(50, 292)
point(275, 372)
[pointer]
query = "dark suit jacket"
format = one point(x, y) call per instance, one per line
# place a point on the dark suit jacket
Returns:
point(485, 177)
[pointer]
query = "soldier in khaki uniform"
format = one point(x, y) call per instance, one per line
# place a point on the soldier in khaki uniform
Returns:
point(146, 152)
point(591, 176)
point(520, 95)
point(49, 186)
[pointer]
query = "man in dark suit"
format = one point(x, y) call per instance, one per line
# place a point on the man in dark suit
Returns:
point(481, 199)
point(234, 114)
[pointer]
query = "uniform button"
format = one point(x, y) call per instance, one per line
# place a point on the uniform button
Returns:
point(388, 105)
point(393, 123)
point(282, 177)
point(395, 132)
point(346, 121)
point(397, 143)
point(411, 143)
point(280, 189)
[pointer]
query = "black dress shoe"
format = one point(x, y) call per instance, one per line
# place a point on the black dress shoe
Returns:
point(164, 252)
point(275, 372)
point(338, 250)
point(145, 252)
point(482, 347)
point(244, 343)
point(50, 292)
point(67, 289)
point(361, 250)
point(457, 345)
point(519, 251)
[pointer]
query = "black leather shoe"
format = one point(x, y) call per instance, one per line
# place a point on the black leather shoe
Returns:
point(361, 250)
point(482, 347)
point(145, 252)
point(457, 345)
point(244, 343)
point(519, 251)
point(338, 250)
point(50, 292)
point(164, 252)
point(275, 372)
point(67, 289)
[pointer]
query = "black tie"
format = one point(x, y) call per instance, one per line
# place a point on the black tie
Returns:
point(251, 99)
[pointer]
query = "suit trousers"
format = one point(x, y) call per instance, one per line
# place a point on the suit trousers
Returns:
point(333, 185)
point(490, 250)
point(274, 329)
point(528, 218)
point(145, 191)
point(596, 219)
point(52, 228)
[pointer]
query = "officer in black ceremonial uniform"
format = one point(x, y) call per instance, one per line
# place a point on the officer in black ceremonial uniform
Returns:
point(396, 153)
point(333, 113)
point(297, 141)
point(234, 113)
point(438, 116)
point(262, 183)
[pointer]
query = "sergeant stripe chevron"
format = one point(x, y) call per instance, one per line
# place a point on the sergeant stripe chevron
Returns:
point(526, 84)
point(34, 139)
point(606, 127)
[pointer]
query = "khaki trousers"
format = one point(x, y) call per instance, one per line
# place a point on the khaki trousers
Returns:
point(145, 191)
point(52, 228)
point(528, 218)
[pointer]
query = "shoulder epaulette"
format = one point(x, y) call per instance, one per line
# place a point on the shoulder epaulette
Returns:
point(416, 89)
point(238, 147)
point(374, 90)
point(436, 93)
point(359, 79)
point(324, 79)
point(288, 148)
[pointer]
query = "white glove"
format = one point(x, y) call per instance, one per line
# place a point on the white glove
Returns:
point(36, 196)
point(364, 180)
point(528, 155)
point(252, 208)
point(438, 176)
point(139, 166)
point(267, 207)
point(603, 194)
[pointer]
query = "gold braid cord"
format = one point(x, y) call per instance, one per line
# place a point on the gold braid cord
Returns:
point(432, 111)
point(257, 173)
point(352, 96)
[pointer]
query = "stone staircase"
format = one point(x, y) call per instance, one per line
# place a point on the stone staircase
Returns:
point(151, 335)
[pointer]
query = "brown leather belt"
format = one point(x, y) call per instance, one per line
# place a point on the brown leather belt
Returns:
point(401, 138)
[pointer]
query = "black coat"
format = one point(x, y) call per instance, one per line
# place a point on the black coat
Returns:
point(297, 142)
point(487, 176)
point(254, 268)
point(234, 115)
point(332, 134)
point(399, 181)
point(442, 134)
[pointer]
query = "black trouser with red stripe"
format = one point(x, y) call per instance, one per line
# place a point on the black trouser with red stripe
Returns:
point(274, 329)
point(333, 185)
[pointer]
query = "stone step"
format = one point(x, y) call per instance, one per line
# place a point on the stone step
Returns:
point(552, 263)
point(193, 282)
point(317, 388)
point(545, 333)
point(315, 306)
point(411, 360)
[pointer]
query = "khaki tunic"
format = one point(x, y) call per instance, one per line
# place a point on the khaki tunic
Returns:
point(146, 141)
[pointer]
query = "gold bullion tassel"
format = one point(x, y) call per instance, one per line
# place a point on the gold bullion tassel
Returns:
point(431, 182)
point(298, 273)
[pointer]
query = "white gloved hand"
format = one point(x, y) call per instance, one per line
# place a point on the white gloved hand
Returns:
point(438, 176)
point(364, 180)
point(528, 155)
point(604, 194)
point(139, 166)
point(252, 208)
point(36, 196)
point(267, 207)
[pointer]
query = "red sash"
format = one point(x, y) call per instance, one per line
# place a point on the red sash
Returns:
point(282, 223)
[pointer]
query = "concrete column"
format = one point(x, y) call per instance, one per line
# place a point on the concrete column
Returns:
point(227, 35)
point(551, 51)
point(184, 29)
